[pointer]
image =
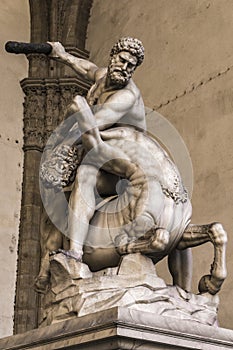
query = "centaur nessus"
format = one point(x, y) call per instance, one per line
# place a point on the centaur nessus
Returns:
point(151, 215)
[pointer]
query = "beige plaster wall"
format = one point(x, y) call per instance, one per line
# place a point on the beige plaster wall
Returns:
point(14, 25)
point(187, 76)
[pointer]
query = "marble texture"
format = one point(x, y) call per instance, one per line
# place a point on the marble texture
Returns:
point(75, 291)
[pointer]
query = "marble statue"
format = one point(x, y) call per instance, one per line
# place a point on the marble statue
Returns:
point(119, 103)
point(153, 212)
point(146, 219)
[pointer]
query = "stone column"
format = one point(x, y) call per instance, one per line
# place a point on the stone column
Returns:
point(49, 88)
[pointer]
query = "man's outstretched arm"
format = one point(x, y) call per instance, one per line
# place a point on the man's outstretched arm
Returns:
point(84, 67)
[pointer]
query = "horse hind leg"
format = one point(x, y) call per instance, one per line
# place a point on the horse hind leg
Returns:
point(213, 282)
point(196, 235)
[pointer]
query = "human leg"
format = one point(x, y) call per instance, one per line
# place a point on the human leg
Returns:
point(81, 208)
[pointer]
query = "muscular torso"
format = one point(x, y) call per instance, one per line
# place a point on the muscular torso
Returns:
point(99, 95)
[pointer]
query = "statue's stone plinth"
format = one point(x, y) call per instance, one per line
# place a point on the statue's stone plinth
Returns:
point(122, 328)
point(76, 291)
point(127, 307)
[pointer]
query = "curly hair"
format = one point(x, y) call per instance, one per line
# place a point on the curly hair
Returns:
point(132, 45)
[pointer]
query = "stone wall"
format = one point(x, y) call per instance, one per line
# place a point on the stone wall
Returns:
point(14, 25)
point(187, 76)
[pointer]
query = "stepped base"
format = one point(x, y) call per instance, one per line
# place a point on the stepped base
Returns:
point(122, 328)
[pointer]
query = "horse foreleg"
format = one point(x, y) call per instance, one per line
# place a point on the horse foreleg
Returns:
point(196, 235)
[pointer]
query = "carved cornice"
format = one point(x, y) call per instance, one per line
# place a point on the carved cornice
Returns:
point(30, 83)
point(71, 49)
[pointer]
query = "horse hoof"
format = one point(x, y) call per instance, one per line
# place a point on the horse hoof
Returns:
point(206, 285)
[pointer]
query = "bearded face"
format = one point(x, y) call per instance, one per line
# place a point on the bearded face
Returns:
point(121, 68)
point(118, 77)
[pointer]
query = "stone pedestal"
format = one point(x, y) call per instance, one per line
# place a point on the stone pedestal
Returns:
point(122, 328)
point(75, 291)
point(126, 307)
